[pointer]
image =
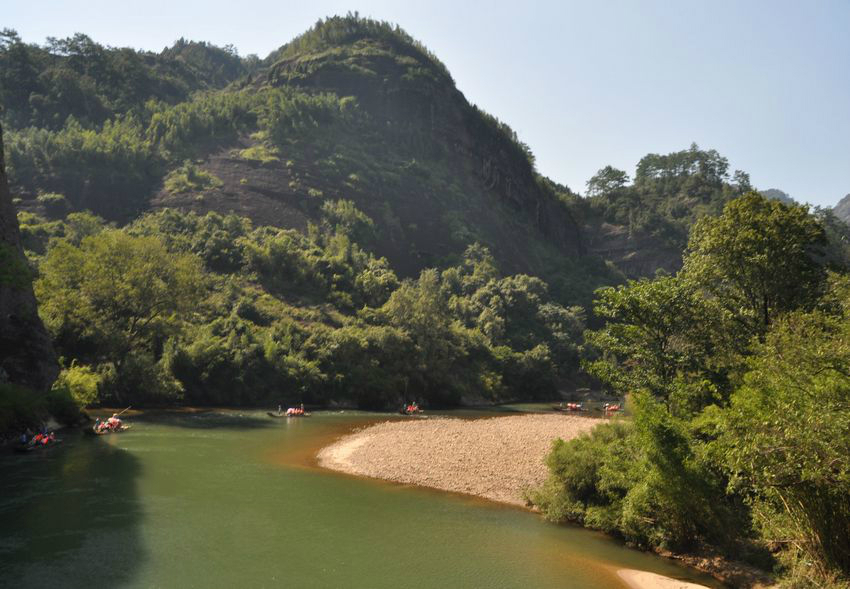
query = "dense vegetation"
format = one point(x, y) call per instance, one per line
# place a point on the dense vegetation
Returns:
point(736, 365)
point(668, 194)
point(207, 309)
point(41, 86)
point(354, 109)
point(336, 31)
point(738, 376)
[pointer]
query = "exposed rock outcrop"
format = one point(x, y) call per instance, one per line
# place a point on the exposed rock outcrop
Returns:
point(636, 255)
point(433, 171)
point(842, 209)
point(26, 353)
point(419, 100)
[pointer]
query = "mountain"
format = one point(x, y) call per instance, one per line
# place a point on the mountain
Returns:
point(41, 86)
point(26, 354)
point(842, 209)
point(369, 115)
point(258, 219)
point(776, 194)
point(642, 224)
point(352, 111)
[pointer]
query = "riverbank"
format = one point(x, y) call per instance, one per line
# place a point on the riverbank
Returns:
point(645, 580)
point(497, 458)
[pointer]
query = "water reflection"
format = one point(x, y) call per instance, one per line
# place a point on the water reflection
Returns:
point(70, 516)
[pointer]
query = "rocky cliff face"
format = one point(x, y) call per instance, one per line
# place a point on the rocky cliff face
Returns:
point(636, 256)
point(842, 209)
point(433, 171)
point(405, 90)
point(26, 354)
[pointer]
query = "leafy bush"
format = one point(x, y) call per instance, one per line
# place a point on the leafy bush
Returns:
point(81, 383)
point(260, 153)
point(787, 439)
point(190, 178)
point(589, 477)
point(56, 205)
point(644, 482)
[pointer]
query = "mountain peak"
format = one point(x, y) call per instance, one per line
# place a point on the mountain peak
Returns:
point(842, 209)
point(349, 42)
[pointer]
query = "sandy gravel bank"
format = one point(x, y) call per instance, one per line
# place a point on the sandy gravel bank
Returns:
point(496, 458)
point(644, 580)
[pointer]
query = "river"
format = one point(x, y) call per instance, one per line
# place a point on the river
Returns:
point(232, 498)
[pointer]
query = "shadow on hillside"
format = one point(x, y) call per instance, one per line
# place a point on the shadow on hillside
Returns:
point(70, 516)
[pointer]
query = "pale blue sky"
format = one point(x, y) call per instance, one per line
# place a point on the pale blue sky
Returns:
point(585, 84)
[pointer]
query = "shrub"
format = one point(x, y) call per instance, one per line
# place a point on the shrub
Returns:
point(190, 178)
point(260, 153)
point(80, 382)
point(55, 205)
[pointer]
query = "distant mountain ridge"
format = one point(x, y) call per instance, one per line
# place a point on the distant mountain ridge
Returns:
point(842, 209)
point(776, 194)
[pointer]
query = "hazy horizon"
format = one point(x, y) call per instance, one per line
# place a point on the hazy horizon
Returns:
point(583, 84)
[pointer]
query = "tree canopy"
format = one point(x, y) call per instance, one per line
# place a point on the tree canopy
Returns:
point(759, 259)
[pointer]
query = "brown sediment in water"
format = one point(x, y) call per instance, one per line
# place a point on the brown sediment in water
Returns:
point(497, 458)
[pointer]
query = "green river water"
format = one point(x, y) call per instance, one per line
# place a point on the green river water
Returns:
point(234, 499)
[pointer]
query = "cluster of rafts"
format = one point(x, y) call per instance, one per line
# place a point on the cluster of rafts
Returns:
point(607, 408)
point(113, 425)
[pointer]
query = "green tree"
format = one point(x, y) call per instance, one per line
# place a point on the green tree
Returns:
point(606, 181)
point(439, 367)
point(786, 440)
point(759, 259)
point(115, 299)
point(659, 336)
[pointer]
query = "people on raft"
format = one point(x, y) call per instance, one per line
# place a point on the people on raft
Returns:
point(111, 424)
point(295, 411)
point(42, 439)
point(410, 408)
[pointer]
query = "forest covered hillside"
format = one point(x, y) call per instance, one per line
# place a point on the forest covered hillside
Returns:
point(337, 225)
point(335, 222)
point(352, 109)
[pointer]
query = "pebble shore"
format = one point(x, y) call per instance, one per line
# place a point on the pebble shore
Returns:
point(496, 458)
